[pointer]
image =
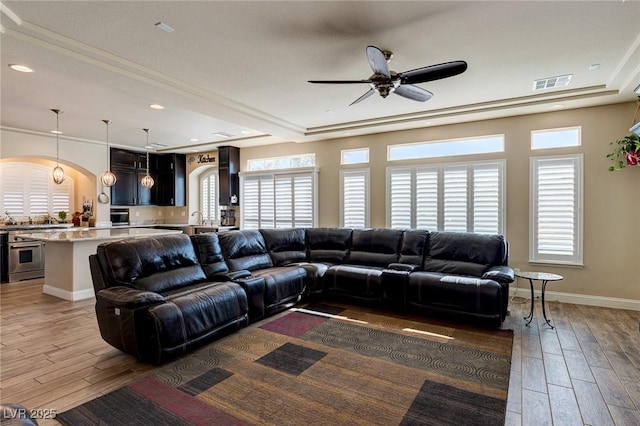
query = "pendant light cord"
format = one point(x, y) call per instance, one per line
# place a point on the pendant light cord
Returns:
point(57, 138)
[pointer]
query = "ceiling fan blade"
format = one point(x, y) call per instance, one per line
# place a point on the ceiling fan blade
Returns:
point(413, 92)
point(378, 61)
point(339, 81)
point(433, 72)
point(363, 97)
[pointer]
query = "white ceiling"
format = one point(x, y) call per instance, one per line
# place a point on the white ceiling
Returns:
point(234, 66)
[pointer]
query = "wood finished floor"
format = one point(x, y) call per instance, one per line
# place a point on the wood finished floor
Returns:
point(585, 372)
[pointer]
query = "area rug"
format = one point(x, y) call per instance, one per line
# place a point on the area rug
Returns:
point(323, 364)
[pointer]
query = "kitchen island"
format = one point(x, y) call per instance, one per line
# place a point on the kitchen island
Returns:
point(66, 269)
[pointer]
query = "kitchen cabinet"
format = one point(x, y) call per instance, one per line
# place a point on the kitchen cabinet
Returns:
point(229, 181)
point(172, 180)
point(130, 167)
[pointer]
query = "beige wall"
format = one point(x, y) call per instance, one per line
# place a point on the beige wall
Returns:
point(611, 199)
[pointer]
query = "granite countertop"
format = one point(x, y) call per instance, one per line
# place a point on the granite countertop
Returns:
point(93, 234)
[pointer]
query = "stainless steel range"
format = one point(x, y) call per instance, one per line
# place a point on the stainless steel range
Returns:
point(26, 258)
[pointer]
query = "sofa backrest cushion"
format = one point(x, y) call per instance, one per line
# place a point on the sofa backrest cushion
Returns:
point(159, 264)
point(415, 242)
point(285, 246)
point(375, 247)
point(209, 252)
point(464, 253)
point(328, 245)
point(245, 249)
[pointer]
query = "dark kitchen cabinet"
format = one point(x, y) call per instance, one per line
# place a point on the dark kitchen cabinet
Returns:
point(172, 180)
point(229, 180)
point(130, 167)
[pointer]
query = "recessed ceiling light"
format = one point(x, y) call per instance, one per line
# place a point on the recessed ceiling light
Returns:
point(164, 27)
point(156, 106)
point(194, 139)
point(56, 132)
point(246, 132)
point(20, 68)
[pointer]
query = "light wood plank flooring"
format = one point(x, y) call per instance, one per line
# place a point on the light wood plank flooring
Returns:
point(585, 372)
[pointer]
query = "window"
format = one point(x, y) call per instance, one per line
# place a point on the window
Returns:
point(354, 156)
point(209, 195)
point(279, 200)
point(281, 163)
point(446, 148)
point(555, 138)
point(354, 198)
point(449, 197)
point(27, 190)
point(556, 210)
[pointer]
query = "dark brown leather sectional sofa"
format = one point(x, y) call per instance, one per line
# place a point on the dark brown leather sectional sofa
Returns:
point(158, 297)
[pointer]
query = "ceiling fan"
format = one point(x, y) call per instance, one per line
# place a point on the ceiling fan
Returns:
point(385, 81)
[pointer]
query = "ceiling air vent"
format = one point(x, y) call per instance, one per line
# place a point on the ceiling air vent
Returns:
point(552, 82)
point(223, 134)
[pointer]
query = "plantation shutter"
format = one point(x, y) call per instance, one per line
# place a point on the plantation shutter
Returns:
point(209, 196)
point(267, 202)
point(354, 199)
point(278, 200)
point(427, 199)
point(303, 201)
point(447, 197)
point(27, 190)
point(284, 201)
point(556, 199)
point(487, 199)
point(251, 202)
point(455, 198)
point(400, 184)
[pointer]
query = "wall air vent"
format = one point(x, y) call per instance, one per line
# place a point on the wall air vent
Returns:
point(552, 82)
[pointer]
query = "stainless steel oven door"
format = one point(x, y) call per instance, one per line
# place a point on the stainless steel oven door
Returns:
point(26, 260)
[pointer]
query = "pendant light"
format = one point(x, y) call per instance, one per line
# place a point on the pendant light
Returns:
point(107, 177)
point(147, 181)
point(58, 173)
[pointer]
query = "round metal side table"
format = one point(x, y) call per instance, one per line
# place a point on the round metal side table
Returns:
point(543, 277)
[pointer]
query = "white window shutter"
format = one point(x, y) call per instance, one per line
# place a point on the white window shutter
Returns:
point(303, 201)
point(251, 202)
point(400, 184)
point(455, 198)
point(487, 198)
point(278, 200)
point(284, 202)
point(354, 198)
point(427, 198)
point(465, 197)
point(557, 209)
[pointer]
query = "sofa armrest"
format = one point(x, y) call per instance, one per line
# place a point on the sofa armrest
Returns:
point(407, 267)
point(500, 273)
point(231, 275)
point(129, 298)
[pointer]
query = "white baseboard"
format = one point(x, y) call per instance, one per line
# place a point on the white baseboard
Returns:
point(579, 299)
point(68, 295)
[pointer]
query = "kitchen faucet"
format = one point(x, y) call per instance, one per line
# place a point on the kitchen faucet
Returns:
point(201, 217)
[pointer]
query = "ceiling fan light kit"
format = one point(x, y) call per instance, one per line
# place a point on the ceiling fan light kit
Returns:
point(384, 81)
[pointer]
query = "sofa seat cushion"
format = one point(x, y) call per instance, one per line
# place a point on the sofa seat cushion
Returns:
point(455, 293)
point(356, 281)
point(282, 283)
point(190, 315)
